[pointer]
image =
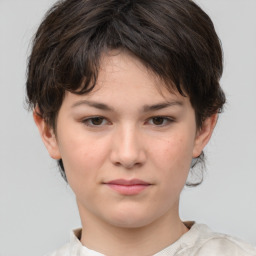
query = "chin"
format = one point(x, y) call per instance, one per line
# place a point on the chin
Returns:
point(130, 223)
point(130, 219)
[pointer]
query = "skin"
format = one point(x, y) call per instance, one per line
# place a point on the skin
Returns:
point(144, 132)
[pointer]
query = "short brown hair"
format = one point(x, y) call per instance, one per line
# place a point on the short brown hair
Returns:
point(175, 39)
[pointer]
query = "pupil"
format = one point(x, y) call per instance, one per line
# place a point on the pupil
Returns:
point(158, 120)
point(97, 121)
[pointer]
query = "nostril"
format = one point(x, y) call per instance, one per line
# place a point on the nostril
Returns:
point(127, 149)
point(128, 162)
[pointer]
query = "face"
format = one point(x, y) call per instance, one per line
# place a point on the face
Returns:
point(127, 146)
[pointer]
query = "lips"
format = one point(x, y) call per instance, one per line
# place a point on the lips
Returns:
point(128, 187)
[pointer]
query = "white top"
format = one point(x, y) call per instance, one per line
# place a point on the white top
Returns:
point(198, 241)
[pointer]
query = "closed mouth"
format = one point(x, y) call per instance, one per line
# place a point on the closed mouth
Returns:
point(128, 187)
point(125, 182)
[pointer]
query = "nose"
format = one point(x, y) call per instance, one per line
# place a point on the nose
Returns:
point(128, 149)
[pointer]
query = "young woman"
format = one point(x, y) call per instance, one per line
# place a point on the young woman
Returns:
point(126, 95)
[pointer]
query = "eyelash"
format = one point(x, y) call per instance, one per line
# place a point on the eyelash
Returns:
point(89, 121)
point(166, 120)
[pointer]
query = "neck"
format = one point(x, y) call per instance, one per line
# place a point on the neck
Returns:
point(147, 240)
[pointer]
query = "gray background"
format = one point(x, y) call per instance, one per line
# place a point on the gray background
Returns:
point(37, 208)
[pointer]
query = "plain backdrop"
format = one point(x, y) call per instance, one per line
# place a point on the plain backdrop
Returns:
point(37, 208)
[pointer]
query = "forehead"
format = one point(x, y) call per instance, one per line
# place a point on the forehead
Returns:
point(124, 83)
point(122, 71)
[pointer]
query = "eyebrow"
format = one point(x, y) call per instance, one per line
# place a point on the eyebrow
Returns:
point(159, 106)
point(94, 104)
point(146, 108)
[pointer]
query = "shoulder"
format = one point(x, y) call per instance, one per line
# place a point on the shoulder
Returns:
point(211, 243)
point(226, 246)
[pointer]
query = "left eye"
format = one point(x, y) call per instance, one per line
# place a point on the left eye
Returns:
point(160, 120)
point(95, 121)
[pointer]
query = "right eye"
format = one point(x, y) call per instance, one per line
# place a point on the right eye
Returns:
point(95, 121)
point(160, 121)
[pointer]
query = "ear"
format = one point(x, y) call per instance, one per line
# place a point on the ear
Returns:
point(204, 134)
point(47, 135)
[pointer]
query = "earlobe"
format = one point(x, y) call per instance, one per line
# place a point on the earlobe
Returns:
point(47, 135)
point(204, 134)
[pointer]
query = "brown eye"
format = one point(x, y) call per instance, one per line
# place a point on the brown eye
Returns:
point(158, 120)
point(97, 120)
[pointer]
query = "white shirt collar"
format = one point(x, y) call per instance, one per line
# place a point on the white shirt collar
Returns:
point(76, 247)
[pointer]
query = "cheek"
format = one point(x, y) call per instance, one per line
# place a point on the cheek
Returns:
point(173, 156)
point(82, 157)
